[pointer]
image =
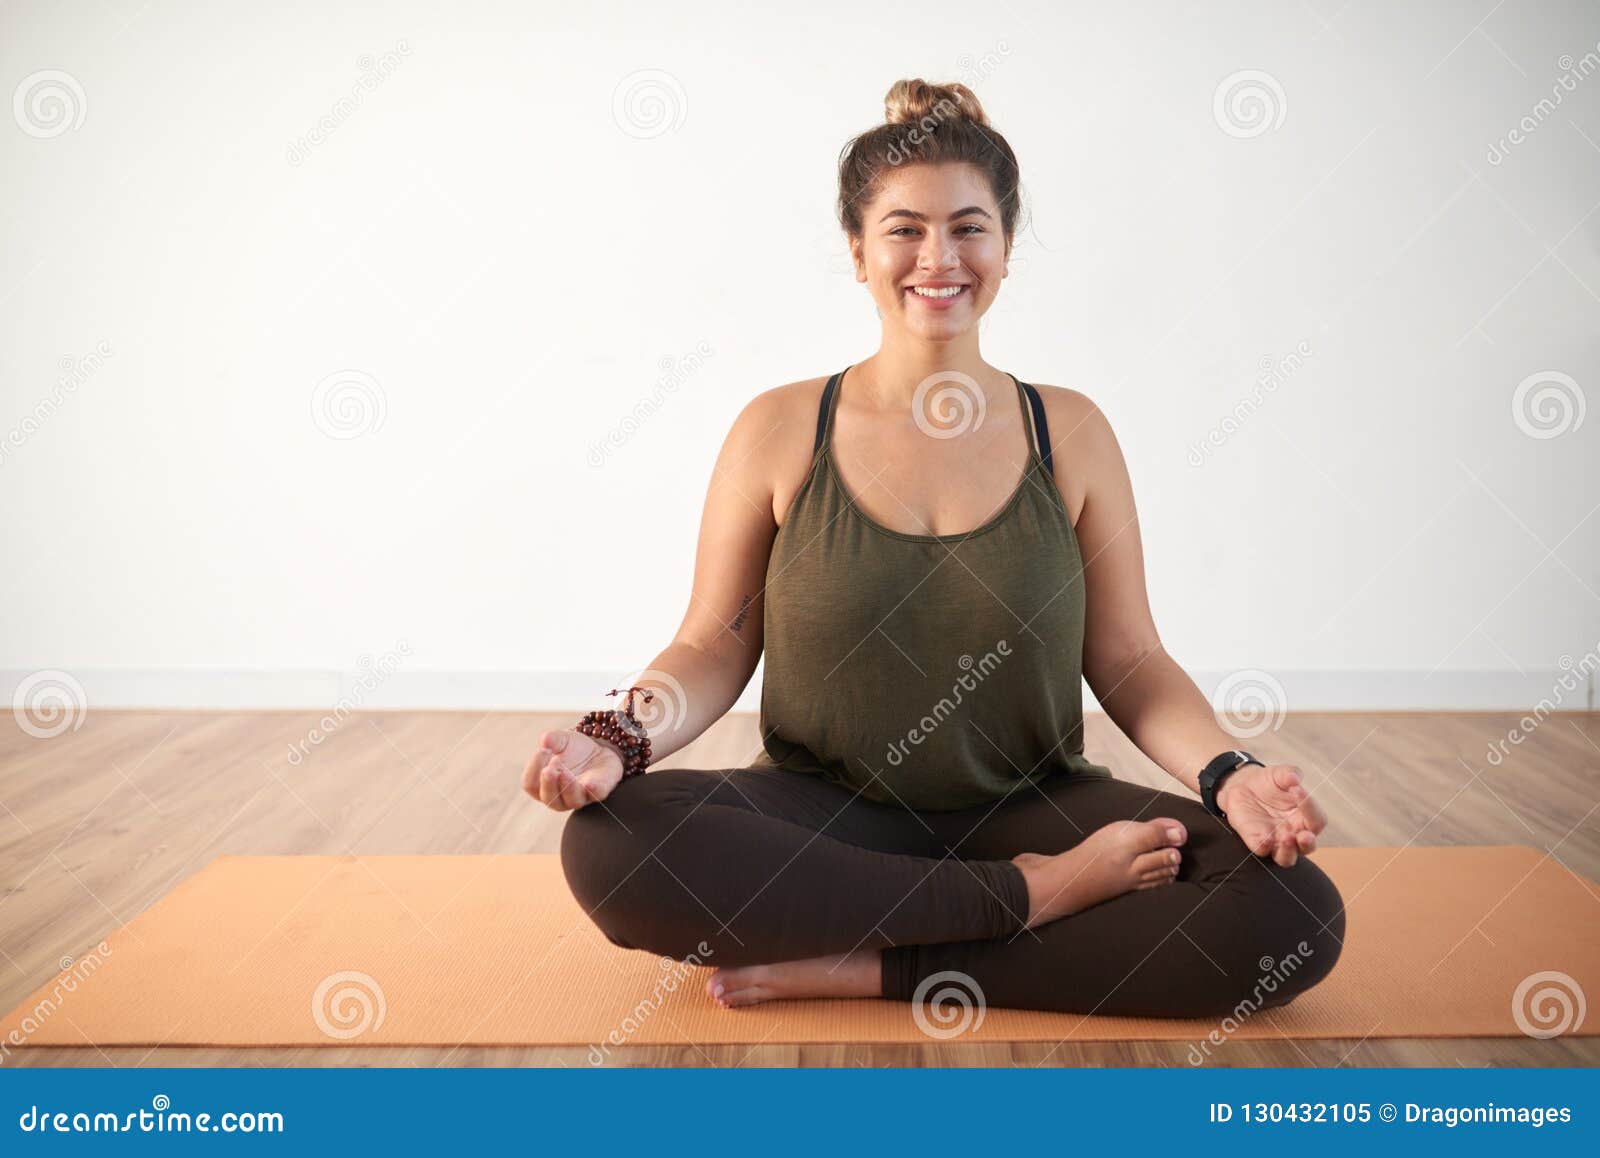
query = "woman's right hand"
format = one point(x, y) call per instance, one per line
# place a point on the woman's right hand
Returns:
point(569, 770)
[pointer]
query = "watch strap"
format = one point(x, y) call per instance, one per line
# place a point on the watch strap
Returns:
point(1213, 774)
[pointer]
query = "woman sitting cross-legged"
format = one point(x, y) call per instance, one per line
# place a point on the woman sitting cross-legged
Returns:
point(930, 579)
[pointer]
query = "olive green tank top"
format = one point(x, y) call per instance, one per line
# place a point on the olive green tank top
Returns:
point(930, 671)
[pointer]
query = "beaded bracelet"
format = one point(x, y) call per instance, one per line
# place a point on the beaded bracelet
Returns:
point(621, 729)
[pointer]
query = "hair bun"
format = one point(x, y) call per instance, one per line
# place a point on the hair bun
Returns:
point(912, 100)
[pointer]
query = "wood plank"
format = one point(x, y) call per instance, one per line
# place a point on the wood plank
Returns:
point(98, 823)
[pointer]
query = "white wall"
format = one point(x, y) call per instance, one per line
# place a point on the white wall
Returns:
point(513, 260)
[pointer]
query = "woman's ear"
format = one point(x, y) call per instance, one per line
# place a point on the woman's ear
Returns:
point(857, 258)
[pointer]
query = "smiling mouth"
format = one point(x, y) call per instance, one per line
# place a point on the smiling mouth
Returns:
point(938, 293)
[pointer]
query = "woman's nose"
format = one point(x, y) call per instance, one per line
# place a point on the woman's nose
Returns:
point(938, 252)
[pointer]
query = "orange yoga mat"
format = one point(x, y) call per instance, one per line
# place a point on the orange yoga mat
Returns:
point(493, 950)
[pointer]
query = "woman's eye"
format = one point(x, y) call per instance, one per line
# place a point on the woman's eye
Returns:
point(911, 229)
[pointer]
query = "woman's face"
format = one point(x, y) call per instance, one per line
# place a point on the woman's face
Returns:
point(932, 226)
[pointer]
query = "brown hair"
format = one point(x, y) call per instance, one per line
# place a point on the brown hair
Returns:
point(927, 124)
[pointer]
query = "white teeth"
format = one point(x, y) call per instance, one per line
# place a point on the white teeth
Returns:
point(950, 292)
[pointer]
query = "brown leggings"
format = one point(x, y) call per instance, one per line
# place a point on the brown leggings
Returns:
point(756, 865)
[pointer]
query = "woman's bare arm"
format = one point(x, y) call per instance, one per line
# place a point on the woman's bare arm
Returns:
point(703, 670)
point(1139, 685)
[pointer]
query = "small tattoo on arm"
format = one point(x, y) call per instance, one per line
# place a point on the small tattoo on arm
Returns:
point(738, 620)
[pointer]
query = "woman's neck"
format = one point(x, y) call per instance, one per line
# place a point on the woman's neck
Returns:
point(890, 377)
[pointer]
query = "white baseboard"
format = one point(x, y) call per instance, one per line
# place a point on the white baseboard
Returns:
point(580, 691)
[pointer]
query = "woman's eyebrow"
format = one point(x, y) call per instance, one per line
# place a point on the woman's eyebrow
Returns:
point(923, 217)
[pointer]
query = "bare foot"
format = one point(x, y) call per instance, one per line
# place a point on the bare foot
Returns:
point(1123, 856)
point(857, 974)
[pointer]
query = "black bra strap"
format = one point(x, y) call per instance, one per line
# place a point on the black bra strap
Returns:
point(1041, 428)
point(822, 411)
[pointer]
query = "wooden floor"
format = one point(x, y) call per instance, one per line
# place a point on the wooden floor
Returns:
point(98, 823)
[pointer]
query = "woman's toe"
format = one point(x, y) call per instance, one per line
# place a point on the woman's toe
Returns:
point(1161, 858)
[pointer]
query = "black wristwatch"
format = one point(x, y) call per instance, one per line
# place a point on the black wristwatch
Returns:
point(1213, 774)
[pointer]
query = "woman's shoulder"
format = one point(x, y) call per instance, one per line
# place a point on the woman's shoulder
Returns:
point(784, 400)
point(773, 436)
point(1079, 436)
point(802, 395)
point(1063, 400)
point(780, 411)
point(1075, 420)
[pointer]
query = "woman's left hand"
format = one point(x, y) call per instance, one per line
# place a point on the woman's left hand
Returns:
point(1272, 812)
